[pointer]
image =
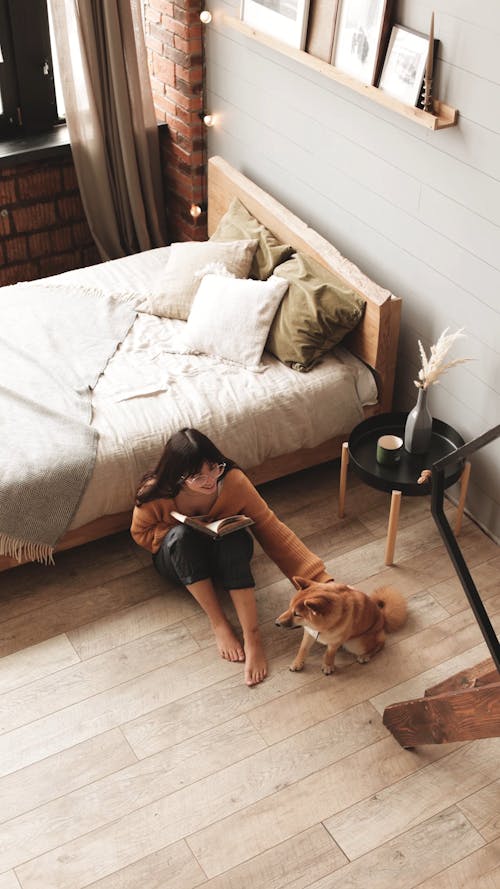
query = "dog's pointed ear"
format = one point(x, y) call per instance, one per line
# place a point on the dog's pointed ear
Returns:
point(317, 604)
point(300, 583)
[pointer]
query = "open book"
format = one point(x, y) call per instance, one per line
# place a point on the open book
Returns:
point(219, 528)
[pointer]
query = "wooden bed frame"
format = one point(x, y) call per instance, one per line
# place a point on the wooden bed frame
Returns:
point(375, 340)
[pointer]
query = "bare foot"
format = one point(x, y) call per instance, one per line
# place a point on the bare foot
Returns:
point(229, 647)
point(256, 663)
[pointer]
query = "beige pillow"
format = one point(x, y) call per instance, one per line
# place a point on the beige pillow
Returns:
point(317, 312)
point(178, 282)
point(230, 318)
point(237, 222)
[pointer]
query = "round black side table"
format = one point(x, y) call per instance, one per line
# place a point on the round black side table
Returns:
point(402, 478)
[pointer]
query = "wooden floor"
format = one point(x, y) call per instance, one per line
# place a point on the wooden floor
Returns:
point(133, 757)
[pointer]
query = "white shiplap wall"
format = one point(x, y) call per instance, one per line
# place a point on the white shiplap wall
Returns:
point(418, 211)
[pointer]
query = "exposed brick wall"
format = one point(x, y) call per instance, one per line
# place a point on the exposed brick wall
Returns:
point(43, 229)
point(174, 38)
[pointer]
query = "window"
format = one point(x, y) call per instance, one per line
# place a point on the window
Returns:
point(28, 69)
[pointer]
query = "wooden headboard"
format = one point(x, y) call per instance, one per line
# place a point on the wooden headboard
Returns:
point(375, 340)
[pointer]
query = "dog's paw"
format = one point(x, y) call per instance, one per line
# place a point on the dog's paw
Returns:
point(363, 658)
point(327, 670)
point(296, 667)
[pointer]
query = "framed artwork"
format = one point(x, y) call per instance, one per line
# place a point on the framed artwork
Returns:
point(321, 28)
point(286, 20)
point(404, 66)
point(359, 36)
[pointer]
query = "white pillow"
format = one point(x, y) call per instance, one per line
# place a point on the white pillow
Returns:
point(178, 282)
point(230, 318)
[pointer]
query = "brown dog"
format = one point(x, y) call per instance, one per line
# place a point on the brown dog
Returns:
point(335, 614)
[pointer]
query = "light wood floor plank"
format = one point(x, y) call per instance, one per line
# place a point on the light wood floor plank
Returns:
point(174, 867)
point(9, 881)
point(32, 585)
point(181, 719)
point(114, 630)
point(73, 610)
point(135, 786)
point(109, 709)
point(289, 865)
point(420, 853)
point(415, 799)
point(451, 595)
point(304, 803)
point(483, 809)
point(77, 767)
point(207, 801)
point(30, 664)
point(103, 672)
point(480, 870)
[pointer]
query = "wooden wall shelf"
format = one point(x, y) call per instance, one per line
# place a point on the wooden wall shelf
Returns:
point(443, 116)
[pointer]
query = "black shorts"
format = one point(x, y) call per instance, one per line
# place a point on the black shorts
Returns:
point(188, 556)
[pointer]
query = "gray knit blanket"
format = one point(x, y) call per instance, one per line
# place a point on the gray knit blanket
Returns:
point(54, 344)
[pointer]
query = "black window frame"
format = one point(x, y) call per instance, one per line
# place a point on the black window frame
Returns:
point(26, 73)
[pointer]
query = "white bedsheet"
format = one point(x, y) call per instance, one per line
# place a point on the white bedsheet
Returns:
point(149, 390)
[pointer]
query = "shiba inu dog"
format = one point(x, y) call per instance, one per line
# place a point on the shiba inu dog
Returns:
point(338, 615)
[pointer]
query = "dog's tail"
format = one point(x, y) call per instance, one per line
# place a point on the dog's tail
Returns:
point(393, 606)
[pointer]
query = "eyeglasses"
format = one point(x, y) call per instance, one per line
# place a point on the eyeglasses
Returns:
point(202, 478)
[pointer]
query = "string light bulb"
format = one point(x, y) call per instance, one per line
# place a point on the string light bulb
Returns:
point(205, 17)
point(195, 210)
point(208, 120)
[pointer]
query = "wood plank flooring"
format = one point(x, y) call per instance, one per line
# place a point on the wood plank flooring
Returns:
point(132, 756)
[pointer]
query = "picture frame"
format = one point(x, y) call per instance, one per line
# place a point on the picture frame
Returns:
point(321, 28)
point(360, 35)
point(286, 20)
point(404, 66)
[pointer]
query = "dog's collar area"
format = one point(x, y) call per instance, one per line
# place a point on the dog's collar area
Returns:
point(313, 633)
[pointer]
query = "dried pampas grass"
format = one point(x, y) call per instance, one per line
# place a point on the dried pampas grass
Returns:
point(435, 366)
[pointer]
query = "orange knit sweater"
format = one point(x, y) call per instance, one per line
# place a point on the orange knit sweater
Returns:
point(152, 520)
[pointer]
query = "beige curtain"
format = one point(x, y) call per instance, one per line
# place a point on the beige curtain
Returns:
point(111, 122)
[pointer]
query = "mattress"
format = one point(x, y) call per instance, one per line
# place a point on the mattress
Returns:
point(151, 388)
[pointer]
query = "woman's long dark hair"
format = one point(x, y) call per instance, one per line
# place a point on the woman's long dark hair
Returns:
point(184, 454)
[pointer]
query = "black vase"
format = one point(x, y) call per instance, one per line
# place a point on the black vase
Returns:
point(418, 428)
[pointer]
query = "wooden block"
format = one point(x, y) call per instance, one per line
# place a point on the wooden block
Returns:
point(453, 716)
point(479, 674)
point(415, 687)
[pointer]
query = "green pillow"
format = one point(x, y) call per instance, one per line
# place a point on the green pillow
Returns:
point(317, 311)
point(237, 224)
